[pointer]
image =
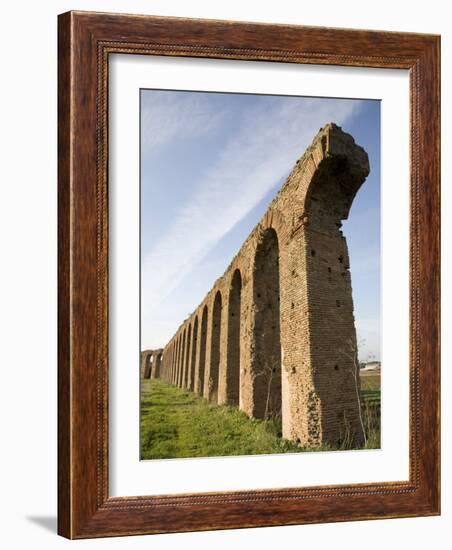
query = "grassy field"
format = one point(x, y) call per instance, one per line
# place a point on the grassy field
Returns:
point(370, 399)
point(178, 424)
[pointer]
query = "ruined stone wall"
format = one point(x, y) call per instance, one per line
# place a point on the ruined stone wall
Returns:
point(151, 363)
point(276, 335)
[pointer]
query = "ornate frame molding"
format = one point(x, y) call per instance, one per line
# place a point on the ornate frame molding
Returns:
point(85, 42)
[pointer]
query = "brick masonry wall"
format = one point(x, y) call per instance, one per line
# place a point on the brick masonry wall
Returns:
point(276, 333)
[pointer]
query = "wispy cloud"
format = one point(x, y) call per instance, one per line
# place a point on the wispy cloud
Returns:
point(176, 115)
point(264, 148)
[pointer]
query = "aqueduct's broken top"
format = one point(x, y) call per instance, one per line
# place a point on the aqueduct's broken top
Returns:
point(276, 334)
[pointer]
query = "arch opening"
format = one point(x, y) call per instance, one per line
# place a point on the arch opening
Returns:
point(266, 368)
point(173, 369)
point(233, 344)
point(148, 366)
point(194, 348)
point(158, 365)
point(187, 360)
point(215, 349)
point(178, 362)
point(182, 361)
point(202, 351)
point(173, 359)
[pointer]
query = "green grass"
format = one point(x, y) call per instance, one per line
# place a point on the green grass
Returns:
point(370, 381)
point(371, 408)
point(179, 424)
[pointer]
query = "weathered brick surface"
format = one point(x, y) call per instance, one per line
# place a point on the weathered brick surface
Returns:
point(276, 334)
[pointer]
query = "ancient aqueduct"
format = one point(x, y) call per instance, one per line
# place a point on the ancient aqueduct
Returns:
point(276, 335)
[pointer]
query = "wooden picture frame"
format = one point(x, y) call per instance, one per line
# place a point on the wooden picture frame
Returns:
point(85, 42)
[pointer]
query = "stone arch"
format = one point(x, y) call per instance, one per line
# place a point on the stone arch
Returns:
point(147, 365)
point(174, 361)
point(215, 346)
point(176, 356)
point(194, 350)
point(330, 194)
point(157, 359)
point(202, 351)
point(169, 370)
point(173, 376)
point(233, 340)
point(177, 369)
point(167, 364)
point(185, 383)
point(182, 359)
point(266, 366)
point(273, 219)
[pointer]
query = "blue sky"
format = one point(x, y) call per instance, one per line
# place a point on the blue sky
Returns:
point(210, 165)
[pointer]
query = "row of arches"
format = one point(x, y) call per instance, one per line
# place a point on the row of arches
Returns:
point(288, 292)
point(206, 356)
point(188, 354)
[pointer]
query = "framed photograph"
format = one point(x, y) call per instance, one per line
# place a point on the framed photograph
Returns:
point(248, 275)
